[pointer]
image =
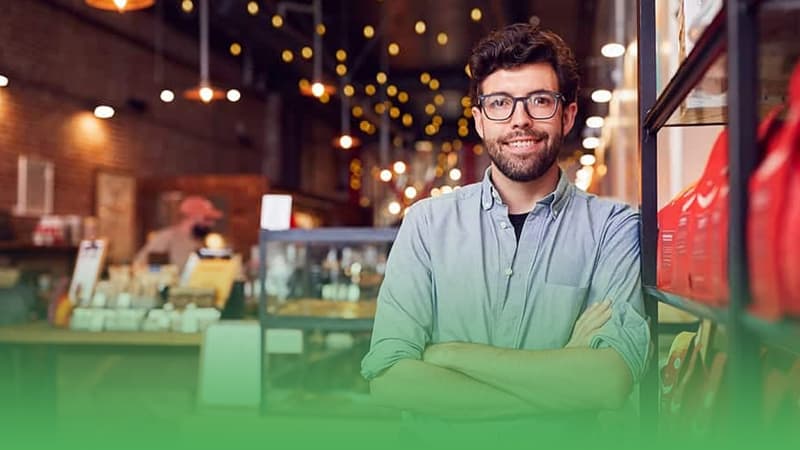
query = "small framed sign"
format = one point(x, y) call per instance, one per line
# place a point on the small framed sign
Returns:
point(91, 256)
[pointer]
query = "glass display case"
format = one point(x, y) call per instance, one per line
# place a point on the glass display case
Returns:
point(318, 292)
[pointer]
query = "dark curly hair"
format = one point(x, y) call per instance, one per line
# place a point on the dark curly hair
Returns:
point(520, 44)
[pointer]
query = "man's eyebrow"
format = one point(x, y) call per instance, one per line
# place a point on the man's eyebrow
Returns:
point(535, 91)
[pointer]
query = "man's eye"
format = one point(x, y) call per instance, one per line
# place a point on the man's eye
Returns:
point(541, 101)
point(499, 102)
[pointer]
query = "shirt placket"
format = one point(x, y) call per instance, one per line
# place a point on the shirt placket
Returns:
point(514, 306)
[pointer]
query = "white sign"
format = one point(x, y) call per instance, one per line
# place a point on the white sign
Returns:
point(276, 212)
point(91, 255)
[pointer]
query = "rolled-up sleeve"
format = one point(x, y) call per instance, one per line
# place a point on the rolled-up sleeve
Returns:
point(403, 320)
point(617, 278)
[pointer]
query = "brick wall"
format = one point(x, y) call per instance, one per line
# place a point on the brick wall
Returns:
point(61, 62)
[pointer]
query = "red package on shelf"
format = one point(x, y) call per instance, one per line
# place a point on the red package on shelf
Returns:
point(708, 257)
point(772, 217)
point(789, 247)
point(672, 258)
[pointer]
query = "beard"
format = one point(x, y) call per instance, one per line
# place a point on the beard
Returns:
point(528, 167)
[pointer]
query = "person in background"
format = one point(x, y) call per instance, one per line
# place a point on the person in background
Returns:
point(178, 241)
point(518, 296)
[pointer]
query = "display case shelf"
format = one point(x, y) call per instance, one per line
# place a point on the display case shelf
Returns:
point(693, 307)
point(777, 47)
point(318, 323)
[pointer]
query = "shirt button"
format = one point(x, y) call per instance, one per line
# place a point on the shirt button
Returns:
point(503, 225)
point(509, 272)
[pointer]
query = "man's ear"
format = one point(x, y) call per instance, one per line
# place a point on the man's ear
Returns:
point(568, 121)
point(476, 114)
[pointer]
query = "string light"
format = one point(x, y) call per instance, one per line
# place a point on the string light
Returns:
point(369, 32)
point(252, 8)
point(476, 14)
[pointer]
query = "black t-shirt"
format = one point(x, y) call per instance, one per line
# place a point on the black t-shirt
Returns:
point(518, 220)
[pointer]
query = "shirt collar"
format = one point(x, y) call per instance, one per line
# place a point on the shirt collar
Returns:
point(556, 200)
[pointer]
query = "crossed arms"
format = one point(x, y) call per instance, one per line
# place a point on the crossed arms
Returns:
point(462, 380)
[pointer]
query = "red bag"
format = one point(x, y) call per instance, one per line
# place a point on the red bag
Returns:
point(772, 218)
point(672, 253)
point(708, 261)
point(789, 247)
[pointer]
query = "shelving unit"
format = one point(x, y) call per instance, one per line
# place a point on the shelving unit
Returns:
point(331, 236)
point(734, 30)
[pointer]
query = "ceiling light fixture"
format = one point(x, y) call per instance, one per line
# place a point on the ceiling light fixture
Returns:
point(167, 96)
point(595, 122)
point(120, 5)
point(204, 92)
point(3, 81)
point(612, 50)
point(591, 142)
point(420, 27)
point(588, 159)
point(233, 95)
point(103, 112)
point(601, 96)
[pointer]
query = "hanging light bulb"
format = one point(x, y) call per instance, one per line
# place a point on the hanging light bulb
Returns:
point(120, 5)
point(317, 89)
point(399, 167)
point(394, 208)
point(346, 141)
point(204, 92)
point(386, 175)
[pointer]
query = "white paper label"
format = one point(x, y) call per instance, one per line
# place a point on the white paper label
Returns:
point(276, 212)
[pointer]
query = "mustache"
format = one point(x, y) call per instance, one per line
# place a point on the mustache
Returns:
point(527, 133)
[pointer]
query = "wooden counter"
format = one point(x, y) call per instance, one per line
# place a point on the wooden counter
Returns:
point(44, 333)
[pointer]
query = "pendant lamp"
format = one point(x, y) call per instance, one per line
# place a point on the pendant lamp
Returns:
point(120, 5)
point(204, 92)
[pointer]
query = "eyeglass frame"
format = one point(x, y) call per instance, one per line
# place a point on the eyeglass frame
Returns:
point(558, 96)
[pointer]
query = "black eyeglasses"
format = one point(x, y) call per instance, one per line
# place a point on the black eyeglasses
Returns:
point(538, 105)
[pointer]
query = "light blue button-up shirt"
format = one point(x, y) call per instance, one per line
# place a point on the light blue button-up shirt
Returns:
point(457, 273)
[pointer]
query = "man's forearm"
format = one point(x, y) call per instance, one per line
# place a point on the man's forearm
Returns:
point(570, 379)
point(429, 389)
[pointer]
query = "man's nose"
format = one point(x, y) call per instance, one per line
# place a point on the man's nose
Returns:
point(520, 117)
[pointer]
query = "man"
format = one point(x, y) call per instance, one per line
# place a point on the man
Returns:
point(182, 239)
point(519, 295)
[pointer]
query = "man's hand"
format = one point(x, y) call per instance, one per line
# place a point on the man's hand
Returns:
point(589, 323)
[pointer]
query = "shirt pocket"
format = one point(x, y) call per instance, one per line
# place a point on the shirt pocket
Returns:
point(555, 311)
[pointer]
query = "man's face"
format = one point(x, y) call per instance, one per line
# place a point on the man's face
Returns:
point(522, 148)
